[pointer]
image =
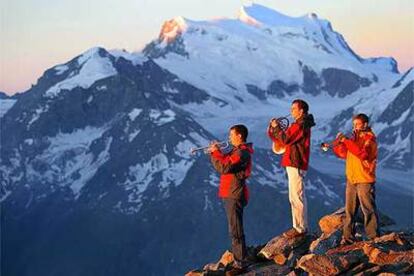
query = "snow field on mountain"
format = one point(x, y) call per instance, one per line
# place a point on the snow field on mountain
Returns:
point(93, 68)
point(5, 105)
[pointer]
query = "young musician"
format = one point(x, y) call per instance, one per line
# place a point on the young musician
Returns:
point(360, 154)
point(235, 168)
point(296, 140)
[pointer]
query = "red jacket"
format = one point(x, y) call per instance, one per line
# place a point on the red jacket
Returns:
point(234, 167)
point(297, 141)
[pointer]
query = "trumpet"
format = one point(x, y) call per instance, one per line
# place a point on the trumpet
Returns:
point(325, 146)
point(277, 146)
point(205, 149)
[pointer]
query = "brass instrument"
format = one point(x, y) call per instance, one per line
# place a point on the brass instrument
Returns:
point(205, 149)
point(277, 146)
point(325, 146)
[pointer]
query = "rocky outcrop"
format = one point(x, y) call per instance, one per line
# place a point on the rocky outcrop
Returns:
point(331, 227)
point(226, 261)
point(286, 250)
point(389, 254)
point(339, 82)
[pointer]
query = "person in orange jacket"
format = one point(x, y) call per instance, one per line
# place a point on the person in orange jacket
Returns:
point(360, 153)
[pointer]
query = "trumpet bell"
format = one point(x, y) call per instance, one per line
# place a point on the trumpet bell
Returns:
point(325, 147)
point(278, 148)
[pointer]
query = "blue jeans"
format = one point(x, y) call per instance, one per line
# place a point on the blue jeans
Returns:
point(360, 195)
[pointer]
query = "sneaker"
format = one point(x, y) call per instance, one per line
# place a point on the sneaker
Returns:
point(293, 233)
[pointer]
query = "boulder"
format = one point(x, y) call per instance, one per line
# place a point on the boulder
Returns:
point(332, 222)
point(382, 257)
point(283, 248)
point(391, 253)
point(326, 242)
point(331, 264)
point(226, 259)
point(226, 262)
point(268, 269)
point(394, 239)
point(387, 270)
point(194, 273)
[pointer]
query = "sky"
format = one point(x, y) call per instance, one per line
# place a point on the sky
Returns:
point(38, 34)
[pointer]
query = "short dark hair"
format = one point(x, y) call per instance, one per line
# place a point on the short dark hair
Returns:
point(242, 130)
point(302, 105)
point(361, 116)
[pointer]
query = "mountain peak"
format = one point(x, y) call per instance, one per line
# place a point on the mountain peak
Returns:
point(93, 64)
point(257, 15)
point(172, 28)
point(312, 15)
point(3, 95)
point(246, 18)
point(91, 53)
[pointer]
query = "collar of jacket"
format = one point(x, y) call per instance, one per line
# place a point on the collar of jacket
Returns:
point(362, 133)
point(306, 121)
point(248, 146)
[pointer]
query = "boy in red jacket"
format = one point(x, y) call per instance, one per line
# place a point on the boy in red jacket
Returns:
point(235, 168)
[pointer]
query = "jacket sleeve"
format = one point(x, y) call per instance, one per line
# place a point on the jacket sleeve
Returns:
point(359, 151)
point(371, 149)
point(293, 134)
point(233, 163)
point(340, 150)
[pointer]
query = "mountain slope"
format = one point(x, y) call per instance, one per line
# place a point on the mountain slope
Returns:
point(96, 154)
point(258, 63)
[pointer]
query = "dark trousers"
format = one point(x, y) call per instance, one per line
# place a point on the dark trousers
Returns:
point(234, 212)
point(360, 195)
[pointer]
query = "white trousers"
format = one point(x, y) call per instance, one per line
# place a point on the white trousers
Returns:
point(297, 198)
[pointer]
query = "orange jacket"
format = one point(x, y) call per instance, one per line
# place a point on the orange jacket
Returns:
point(360, 153)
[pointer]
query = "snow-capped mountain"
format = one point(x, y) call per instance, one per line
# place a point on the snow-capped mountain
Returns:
point(267, 59)
point(95, 156)
point(119, 147)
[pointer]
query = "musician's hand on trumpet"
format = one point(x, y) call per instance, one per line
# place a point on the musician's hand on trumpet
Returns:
point(214, 145)
point(340, 137)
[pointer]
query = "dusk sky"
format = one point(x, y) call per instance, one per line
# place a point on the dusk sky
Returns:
point(36, 35)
